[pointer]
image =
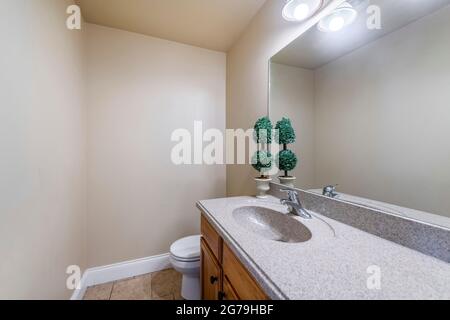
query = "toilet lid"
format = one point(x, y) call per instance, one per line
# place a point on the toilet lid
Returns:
point(186, 248)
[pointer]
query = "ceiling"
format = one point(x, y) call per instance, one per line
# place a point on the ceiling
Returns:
point(315, 48)
point(211, 24)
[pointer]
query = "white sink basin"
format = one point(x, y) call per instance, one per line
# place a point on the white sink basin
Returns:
point(272, 225)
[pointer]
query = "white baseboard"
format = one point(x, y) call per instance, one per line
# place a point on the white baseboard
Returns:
point(78, 294)
point(119, 271)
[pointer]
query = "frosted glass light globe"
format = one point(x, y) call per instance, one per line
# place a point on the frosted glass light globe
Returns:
point(340, 18)
point(336, 24)
point(301, 12)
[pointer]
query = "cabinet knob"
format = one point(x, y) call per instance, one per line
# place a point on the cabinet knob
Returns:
point(213, 279)
point(222, 295)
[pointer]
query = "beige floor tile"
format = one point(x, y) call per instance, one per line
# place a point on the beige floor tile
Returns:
point(100, 292)
point(165, 283)
point(138, 288)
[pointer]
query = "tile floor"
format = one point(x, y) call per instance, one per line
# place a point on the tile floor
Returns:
point(163, 285)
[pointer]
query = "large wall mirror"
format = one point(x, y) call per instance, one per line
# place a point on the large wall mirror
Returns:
point(371, 107)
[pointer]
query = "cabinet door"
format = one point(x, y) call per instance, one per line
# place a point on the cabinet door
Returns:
point(212, 238)
point(242, 282)
point(210, 274)
point(228, 291)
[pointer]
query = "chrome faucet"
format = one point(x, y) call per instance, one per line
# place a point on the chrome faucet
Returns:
point(295, 205)
point(330, 191)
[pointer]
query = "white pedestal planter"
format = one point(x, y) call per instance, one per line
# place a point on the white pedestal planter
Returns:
point(288, 181)
point(262, 186)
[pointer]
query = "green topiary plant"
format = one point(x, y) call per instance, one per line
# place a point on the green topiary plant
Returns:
point(263, 131)
point(262, 162)
point(287, 161)
point(285, 134)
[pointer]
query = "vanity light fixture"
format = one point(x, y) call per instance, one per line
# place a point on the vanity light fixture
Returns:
point(300, 10)
point(343, 16)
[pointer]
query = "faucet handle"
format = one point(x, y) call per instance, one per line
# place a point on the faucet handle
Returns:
point(330, 190)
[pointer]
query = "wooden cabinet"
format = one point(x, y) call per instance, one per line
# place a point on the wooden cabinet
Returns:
point(210, 274)
point(242, 282)
point(211, 237)
point(223, 276)
point(228, 291)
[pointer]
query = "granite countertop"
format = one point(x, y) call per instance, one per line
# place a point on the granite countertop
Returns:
point(336, 263)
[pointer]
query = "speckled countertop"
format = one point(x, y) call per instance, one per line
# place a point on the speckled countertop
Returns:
point(335, 264)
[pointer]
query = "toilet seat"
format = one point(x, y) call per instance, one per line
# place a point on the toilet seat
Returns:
point(186, 249)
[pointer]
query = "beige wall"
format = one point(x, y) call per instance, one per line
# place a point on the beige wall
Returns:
point(292, 96)
point(140, 89)
point(247, 77)
point(383, 133)
point(42, 142)
point(138, 202)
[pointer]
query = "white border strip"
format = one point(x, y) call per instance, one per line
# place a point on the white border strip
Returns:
point(119, 271)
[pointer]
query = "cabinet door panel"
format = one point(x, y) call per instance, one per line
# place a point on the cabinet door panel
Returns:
point(228, 291)
point(212, 238)
point(242, 282)
point(210, 274)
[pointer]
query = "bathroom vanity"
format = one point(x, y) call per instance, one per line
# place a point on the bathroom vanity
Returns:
point(253, 249)
point(223, 276)
point(370, 112)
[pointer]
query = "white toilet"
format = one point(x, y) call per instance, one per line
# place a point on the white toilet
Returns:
point(185, 258)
